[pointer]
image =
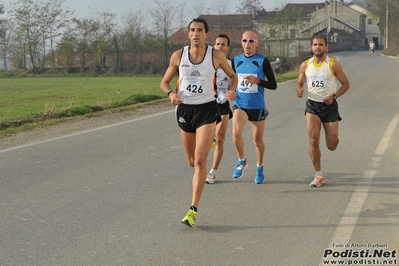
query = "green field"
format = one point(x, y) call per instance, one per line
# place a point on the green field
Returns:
point(25, 97)
point(35, 99)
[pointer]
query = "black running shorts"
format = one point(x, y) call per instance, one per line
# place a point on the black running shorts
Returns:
point(254, 114)
point(327, 113)
point(224, 109)
point(192, 116)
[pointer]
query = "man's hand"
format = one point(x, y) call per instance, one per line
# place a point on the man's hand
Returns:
point(252, 79)
point(329, 99)
point(299, 92)
point(231, 95)
point(174, 98)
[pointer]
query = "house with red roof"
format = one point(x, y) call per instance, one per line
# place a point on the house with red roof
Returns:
point(288, 32)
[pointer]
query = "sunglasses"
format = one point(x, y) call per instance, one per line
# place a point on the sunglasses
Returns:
point(249, 40)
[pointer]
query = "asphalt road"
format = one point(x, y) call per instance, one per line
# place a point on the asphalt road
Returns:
point(115, 195)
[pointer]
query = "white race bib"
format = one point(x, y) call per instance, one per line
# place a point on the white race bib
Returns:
point(245, 86)
point(192, 85)
point(318, 81)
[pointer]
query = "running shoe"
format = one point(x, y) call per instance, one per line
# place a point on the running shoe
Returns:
point(190, 217)
point(210, 178)
point(259, 177)
point(239, 170)
point(213, 145)
point(317, 181)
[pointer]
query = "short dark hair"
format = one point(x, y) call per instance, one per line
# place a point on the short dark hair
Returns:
point(320, 37)
point(226, 37)
point(202, 21)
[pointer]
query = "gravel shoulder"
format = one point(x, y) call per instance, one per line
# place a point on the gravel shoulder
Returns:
point(78, 124)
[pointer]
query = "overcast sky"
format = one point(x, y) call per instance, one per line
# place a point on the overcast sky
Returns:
point(85, 8)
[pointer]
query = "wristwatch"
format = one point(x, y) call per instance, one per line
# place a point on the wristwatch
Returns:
point(334, 96)
point(168, 92)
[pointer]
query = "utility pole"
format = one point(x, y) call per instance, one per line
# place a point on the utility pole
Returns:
point(386, 27)
point(328, 28)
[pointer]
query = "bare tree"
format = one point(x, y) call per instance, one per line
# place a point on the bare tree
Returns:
point(221, 7)
point(134, 34)
point(38, 23)
point(105, 36)
point(280, 5)
point(53, 20)
point(65, 55)
point(83, 32)
point(97, 35)
point(283, 25)
point(249, 7)
point(200, 9)
point(6, 30)
point(181, 16)
point(27, 33)
point(5, 34)
point(164, 13)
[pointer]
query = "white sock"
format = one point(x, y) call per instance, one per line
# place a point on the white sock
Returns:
point(213, 171)
point(318, 173)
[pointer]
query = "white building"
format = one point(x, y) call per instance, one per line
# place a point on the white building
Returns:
point(372, 31)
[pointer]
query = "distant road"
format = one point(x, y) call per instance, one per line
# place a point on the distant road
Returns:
point(115, 195)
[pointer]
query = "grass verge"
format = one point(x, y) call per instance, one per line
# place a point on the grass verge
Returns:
point(30, 102)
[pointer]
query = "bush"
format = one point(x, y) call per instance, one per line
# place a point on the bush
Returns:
point(291, 63)
point(12, 75)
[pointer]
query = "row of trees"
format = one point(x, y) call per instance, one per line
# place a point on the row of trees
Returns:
point(42, 34)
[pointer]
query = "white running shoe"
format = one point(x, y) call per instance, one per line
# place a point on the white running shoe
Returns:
point(317, 181)
point(210, 178)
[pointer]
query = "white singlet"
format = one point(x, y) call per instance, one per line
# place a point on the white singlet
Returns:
point(196, 80)
point(320, 79)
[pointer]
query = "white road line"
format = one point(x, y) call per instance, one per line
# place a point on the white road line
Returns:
point(381, 148)
point(346, 225)
point(86, 131)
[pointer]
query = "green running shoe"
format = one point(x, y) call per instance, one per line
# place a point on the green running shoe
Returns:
point(190, 217)
point(213, 143)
